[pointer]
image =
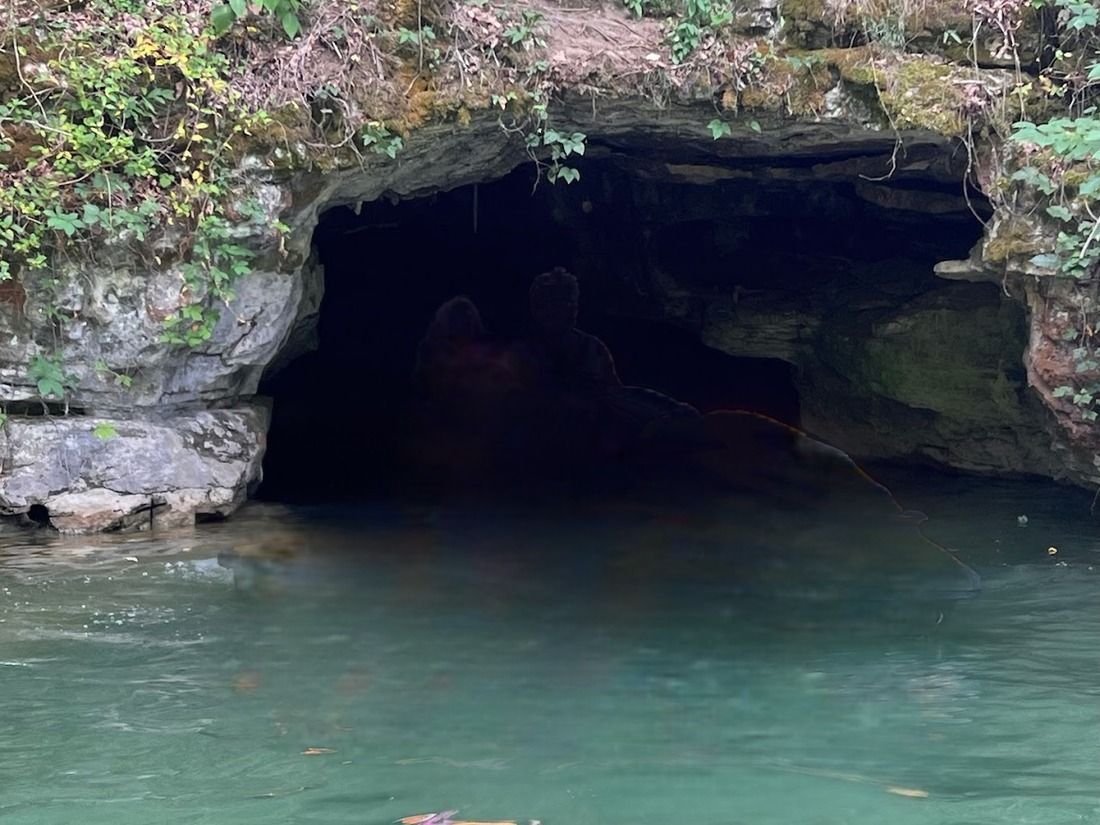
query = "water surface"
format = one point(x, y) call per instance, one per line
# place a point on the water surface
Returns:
point(536, 668)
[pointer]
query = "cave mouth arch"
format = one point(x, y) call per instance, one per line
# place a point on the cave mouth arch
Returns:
point(661, 250)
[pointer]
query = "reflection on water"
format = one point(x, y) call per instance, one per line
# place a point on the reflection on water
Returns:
point(391, 662)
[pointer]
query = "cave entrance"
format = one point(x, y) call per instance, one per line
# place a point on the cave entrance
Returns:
point(651, 243)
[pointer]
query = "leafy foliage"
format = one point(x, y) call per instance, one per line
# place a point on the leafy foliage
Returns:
point(49, 377)
point(422, 43)
point(562, 146)
point(549, 147)
point(115, 135)
point(525, 32)
point(689, 22)
point(1059, 171)
point(719, 129)
point(380, 139)
point(286, 12)
point(120, 379)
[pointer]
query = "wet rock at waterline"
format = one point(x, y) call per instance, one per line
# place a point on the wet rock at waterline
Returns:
point(81, 474)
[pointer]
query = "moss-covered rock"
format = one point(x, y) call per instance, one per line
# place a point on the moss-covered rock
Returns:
point(913, 91)
point(954, 352)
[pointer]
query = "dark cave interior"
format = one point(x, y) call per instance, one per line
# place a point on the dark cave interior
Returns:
point(622, 229)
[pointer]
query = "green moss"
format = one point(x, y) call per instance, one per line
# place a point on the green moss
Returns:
point(957, 357)
point(288, 124)
point(1007, 240)
point(953, 361)
point(805, 22)
point(911, 91)
point(920, 94)
point(811, 11)
point(795, 83)
point(853, 65)
point(1075, 176)
point(914, 91)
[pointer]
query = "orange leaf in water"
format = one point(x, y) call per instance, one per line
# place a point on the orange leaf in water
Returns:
point(247, 681)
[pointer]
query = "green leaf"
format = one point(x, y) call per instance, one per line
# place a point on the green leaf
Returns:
point(718, 128)
point(1090, 187)
point(1059, 212)
point(291, 24)
point(222, 19)
point(754, 125)
point(239, 8)
point(104, 431)
point(92, 214)
point(1033, 177)
point(1062, 392)
point(575, 143)
point(50, 388)
point(1046, 260)
point(66, 222)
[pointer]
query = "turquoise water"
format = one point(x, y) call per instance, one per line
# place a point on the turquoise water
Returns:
point(505, 667)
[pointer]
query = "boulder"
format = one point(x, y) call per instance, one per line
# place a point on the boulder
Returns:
point(93, 474)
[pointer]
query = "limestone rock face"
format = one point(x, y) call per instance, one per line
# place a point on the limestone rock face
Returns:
point(116, 320)
point(966, 380)
point(931, 378)
point(147, 472)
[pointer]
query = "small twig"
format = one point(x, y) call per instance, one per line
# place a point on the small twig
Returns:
point(420, 31)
